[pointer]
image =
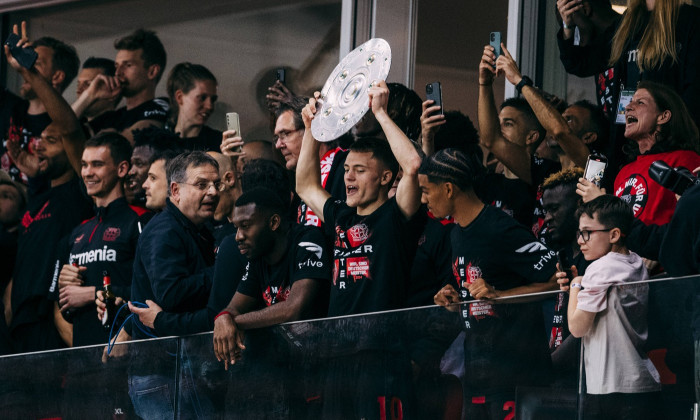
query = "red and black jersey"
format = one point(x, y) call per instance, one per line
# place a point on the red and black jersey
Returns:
point(105, 242)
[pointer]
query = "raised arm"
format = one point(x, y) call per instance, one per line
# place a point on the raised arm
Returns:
point(513, 156)
point(58, 109)
point(308, 172)
point(408, 191)
point(548, 116)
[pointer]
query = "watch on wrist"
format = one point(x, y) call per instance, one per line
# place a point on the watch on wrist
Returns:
point(565, 26)
point(576, 286)
point(525, 81)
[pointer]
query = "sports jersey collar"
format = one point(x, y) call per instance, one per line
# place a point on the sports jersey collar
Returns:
point(116, 206)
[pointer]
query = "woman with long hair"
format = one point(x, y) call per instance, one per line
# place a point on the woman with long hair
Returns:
point(654, 40)
point(660, 128)
point(192, 92)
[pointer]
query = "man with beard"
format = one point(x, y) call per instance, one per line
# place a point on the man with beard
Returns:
point(50, 216)
point(140, 63)
point(23, 119)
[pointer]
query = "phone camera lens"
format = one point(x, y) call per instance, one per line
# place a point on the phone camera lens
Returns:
point(429, 89)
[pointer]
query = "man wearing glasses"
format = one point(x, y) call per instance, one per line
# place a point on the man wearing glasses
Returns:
point(289, 131)
point(171, 268)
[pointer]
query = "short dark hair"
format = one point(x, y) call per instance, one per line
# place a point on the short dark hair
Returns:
point(405, 107)
point(524, 107)
point(454, 166)
point(296, 105)
point(119, 147)
point(176, 169)
point(598, 123)
point(183, 77)
point(457, 132)
point(165, 155)
point(263, 173)
point(148, 41)
point(264, 199)
point(159, 140)
point(104, 64)
point(612, 212)
point(64, 57)
point(380, 150)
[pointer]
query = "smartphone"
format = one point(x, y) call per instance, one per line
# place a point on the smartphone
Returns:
point(26, 57)
point(595, 168)
point(234, 123)
point(434, 91)
point(281, 75)
point(564, 264)
point(495, 42)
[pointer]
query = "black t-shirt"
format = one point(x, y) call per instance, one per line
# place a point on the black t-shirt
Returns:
point(560, 326)
point(208, 140)
point(432, 268)
point(505, 344)
point(513, 196)
point(106, 242)
point(373, 255)
point(306, 258)
point(22, 127)
point(121, 119)
point(51, 216)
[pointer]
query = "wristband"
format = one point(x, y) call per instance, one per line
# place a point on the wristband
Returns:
point(525, 81)
point(576, 286)
point(223, 313)
point(565, 26)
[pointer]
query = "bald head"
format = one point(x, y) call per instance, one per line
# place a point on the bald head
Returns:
point(225, 163)
point(229, 177)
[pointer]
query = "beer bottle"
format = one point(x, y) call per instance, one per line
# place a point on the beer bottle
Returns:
point(69, 314)
point(109, 299)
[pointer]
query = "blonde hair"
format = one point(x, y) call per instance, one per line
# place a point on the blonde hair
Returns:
point(658, 40)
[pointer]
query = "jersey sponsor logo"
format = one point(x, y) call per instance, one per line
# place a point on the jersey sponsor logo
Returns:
point(312, 247)
point(544, 260)
point(54, 279)
point(111, 234)
point(310, 263)
point(95, 255)
point(358, 234)
point(635, 193)
point(531, 248)
point(27, 219)
point(163, 104)
point(79, 238)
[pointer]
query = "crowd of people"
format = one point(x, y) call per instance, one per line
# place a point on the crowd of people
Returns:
point(200, 230)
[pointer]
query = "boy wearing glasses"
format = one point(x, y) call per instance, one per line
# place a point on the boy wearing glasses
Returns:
point(612, 320)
